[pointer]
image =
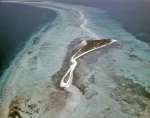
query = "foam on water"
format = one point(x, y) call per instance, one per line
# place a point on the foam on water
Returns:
point(85, 21)
point(105, 27)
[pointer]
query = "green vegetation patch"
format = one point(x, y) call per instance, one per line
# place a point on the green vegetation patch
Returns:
point(91, 44)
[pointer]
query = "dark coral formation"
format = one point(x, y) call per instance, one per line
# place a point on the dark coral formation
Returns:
point(15, 114)
point(14, 109)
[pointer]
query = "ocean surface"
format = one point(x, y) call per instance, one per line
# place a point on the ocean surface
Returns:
point(18, 22)
point(133, 15)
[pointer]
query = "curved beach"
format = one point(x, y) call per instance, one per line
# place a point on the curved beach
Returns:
point(68, 77)
point(106, 83)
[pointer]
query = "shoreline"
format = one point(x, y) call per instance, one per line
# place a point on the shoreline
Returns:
point(66, 84)
point(7, 72)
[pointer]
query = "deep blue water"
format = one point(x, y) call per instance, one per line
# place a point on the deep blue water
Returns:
point(17, 23)
point(133, 15)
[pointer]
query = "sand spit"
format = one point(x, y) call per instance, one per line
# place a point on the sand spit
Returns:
point(108, 94)
point(44, 101)
point(89, 45)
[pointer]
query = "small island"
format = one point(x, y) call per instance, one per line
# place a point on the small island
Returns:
point(92, 45)
point(89, 45)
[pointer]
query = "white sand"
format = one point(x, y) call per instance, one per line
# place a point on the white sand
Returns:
point(74, 64)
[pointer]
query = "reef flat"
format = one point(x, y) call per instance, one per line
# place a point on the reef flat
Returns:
point(109, 82)
point(114, 90)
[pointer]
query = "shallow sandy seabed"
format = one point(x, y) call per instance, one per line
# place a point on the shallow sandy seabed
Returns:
point(99, 90)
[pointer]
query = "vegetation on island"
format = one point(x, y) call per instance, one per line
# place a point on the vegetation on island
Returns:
point(92, 44)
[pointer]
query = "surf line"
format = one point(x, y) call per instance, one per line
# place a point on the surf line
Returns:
point(68, 77)
point(84, 22)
